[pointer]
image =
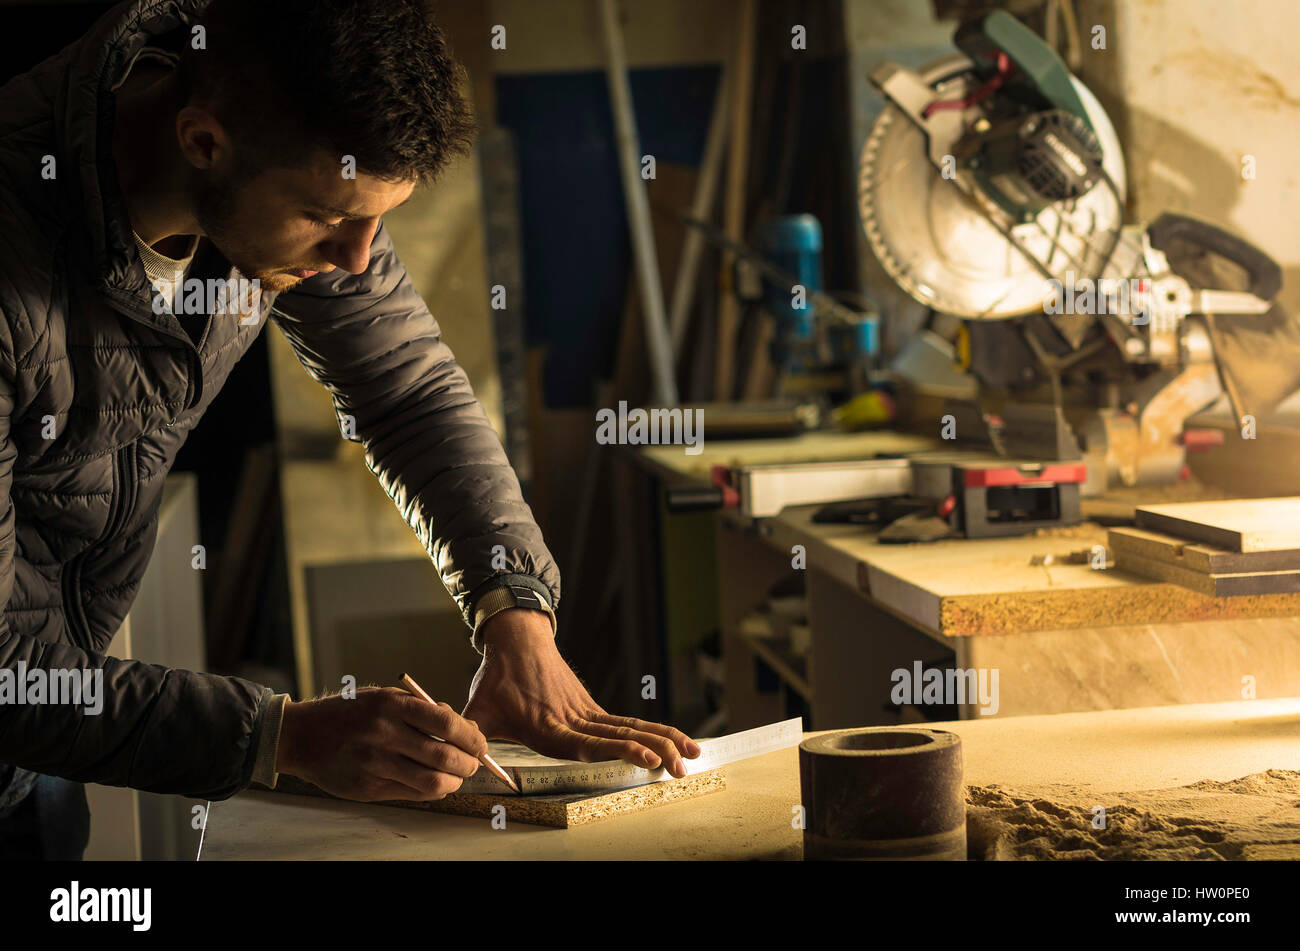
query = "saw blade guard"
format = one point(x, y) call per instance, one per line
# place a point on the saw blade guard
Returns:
point(943, 238)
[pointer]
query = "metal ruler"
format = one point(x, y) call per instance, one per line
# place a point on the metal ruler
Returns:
point(563, 777)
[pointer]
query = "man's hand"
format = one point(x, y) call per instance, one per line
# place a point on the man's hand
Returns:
point(524, 691)
point(379, 745)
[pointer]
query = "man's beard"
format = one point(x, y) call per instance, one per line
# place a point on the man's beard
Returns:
point(215, 201)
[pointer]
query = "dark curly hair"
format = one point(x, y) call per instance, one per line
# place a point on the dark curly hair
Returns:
point(370, 78)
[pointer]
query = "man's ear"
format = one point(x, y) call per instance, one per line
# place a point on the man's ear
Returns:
point(202, 138)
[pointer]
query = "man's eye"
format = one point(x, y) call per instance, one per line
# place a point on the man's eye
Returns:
point(321, 223)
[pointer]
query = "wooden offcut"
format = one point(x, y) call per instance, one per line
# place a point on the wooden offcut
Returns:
point(561, 812)
point(1212, 571)
point(1215, 585)
point(1238, 525)
point(1196, 556)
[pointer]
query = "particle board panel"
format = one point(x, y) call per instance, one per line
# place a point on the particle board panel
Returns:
point(1147, 602)
point(960, 587)
point(1239, 525)
point(561, 812)
point(987, 587)
point(1170, 549)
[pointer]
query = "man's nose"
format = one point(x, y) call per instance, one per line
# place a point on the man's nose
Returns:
point(350, 249)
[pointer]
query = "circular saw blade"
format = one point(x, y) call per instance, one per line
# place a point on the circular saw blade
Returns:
point(940, 247)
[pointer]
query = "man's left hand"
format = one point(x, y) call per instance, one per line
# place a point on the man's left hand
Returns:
point(524, 691)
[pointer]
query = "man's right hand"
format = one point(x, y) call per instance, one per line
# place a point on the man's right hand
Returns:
point(379, 745)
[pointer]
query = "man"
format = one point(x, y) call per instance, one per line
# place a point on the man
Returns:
point(257, 140)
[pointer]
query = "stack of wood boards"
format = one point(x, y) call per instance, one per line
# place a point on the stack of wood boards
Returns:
point(1221, 549)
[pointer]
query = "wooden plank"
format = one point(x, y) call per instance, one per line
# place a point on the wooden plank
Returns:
point(1172, 550)
point(1213, 585)
point(561, 812)
point(668, 192)
point(1240, 525)
point(734, 197)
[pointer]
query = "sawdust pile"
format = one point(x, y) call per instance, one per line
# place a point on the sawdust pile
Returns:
point(1255, 817)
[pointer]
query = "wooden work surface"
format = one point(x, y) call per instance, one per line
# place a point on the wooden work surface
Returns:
point(965, 587)
point(968, 587)
point(1111, 751)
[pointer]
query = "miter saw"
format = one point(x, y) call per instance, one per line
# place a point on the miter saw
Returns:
point(992, 190)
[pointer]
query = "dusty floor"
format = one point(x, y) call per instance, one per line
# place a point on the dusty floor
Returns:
point(1254, 817)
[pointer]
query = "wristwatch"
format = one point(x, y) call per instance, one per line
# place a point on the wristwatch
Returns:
point(508, 596)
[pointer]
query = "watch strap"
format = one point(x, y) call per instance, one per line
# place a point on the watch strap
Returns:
point(506, 596)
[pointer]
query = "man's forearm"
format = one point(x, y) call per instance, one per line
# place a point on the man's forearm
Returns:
point(515, 630)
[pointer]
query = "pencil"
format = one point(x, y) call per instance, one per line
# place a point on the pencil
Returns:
point(485, 759)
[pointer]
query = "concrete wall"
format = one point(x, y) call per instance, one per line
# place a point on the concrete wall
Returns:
point(1194, 86)
point(565, 35)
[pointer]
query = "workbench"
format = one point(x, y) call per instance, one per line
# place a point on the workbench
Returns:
point(1109, 752)
point(1064, 637)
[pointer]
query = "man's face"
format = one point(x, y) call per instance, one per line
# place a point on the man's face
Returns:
point(283, 225)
